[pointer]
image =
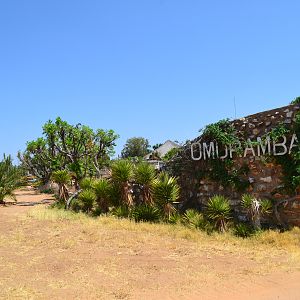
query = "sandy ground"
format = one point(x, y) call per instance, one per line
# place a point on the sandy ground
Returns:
point(42, 259)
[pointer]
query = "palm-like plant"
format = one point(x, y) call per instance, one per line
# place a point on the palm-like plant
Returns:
point(102, 189)
point(62, 178)
point(122, 174)
point(10, 178)
point(255, 208)
point(218, 211)
point(144, 175)
point(87, 199)
point(165, 190)
point(86, 183)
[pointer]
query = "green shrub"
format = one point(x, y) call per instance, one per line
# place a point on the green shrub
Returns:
point(146, 213)
point(175, 218)
point(102, 188)
point(87, 199)
point(86, 183)
point(243, 230)
point(193, 219)
point(121, 211)
point(218, 211)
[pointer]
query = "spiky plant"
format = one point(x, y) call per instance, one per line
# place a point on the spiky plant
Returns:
point(194, 219)
point(165, 190)
point(255, 209)
point(87, 199)
point(122, 174)
point(218, 211)
point(10, 178)
point(102, 189)
point(144, 175)
point(62, 178)
point(146, 213)
point(86, 183)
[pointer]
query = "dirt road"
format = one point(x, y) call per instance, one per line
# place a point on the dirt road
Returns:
point(69, 259)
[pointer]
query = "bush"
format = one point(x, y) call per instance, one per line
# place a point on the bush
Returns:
point(86, 183)
point(102, 188)
point(193, 219)
point(243, 230)
point(121, 211)
point(87, 199)
point(146, 213)
point(218, 211)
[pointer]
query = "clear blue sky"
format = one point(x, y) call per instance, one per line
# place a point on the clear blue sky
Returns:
point(161, 69)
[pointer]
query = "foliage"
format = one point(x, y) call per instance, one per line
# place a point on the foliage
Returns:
point(77, 148)
point(10, 178)
point(243, 230)
point(255, 208)
point(121, 211)
point(296, 100)
point(86, 183)
point(62, 178)
point(218, 211)
point(170, 154)
point(122, 174)
point(165, 190)
point(144, 175)
point(145, 213)
point(87, 199)
point(136, 147)
point(102, 189)
point(194, 219)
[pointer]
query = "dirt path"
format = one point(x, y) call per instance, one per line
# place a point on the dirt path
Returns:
point(44, 259)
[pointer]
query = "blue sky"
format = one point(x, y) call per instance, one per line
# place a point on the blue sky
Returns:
point(161, 69)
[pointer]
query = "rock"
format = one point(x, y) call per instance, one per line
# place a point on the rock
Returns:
point(266, 179)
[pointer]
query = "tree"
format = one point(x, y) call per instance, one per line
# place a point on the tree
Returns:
point(77, 148)
point(10, 178)
point(136, 147)
point(296, 101)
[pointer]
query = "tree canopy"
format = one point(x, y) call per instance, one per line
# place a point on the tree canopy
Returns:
point(136, 147)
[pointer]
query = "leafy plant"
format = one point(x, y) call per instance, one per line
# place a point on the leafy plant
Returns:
point(87, 199)
point(144, 175)
point(165, 191)
point(10, 178)
point(121, 211)
point(86, 183)
point(243, 230)
point(102, 189)
point(122, 174)
point(194, 219)
point(62, 178)
point(146, 213)
point(218, 211)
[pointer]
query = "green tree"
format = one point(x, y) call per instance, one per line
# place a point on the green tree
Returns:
point(296, 101)
point(10, 178)
point(136, 147)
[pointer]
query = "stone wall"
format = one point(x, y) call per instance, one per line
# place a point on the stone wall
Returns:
point(264, 177)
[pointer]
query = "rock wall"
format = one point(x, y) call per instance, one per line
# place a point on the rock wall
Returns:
point(264, 177)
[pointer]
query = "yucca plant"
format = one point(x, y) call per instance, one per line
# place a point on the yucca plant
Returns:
point(218, 211)
point(144, 175)
point(121, 211)
point(146, 213)
point(165, 190)
point(243, 230)
point(193, 219)
point(10, 178)
point(255, 209)
point(86, 183)
point(102, 189)
point(62, 178)
point(122, 174)
point(87, 199)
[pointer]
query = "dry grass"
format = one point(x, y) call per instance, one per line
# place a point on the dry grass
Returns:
point(71, 255)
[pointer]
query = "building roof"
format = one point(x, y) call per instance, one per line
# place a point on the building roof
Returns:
point(163, 149)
